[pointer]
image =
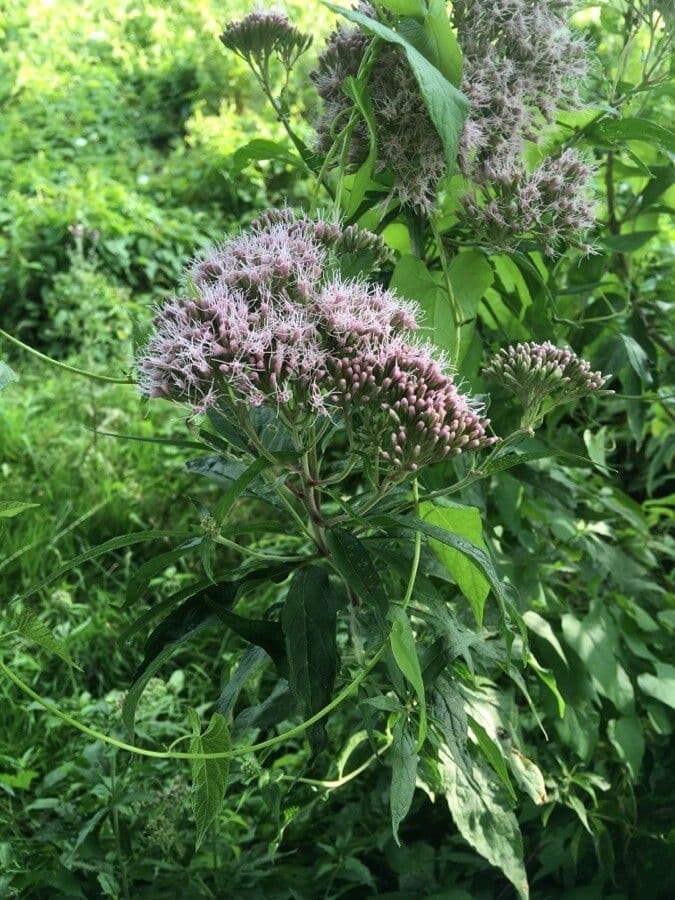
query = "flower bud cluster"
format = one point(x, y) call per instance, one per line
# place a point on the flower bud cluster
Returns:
point(534, 373)
point(262, 34)
point(267, 323)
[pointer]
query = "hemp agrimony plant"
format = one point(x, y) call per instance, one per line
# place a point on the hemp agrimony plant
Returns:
point(329, 361)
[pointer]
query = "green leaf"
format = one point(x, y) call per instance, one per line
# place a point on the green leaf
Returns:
point(404, 763)
point(7, 375)
point(613, 131)
point(529, 777)
point(412, 279)
point(595, 641)
point(637, 357)
point(237, 488)
point(309, 624)
point(191, 616)
point(471, 275)
point(262, 632)
point(353, 561)
point(548, 678)
point(631, 240)
point(482, 816)
point(404, 649)
point(142, 577)
point(263, 149)
point(447, 106)
point(660, 686)
point(464, 521)
point(32, 629)
point(492, 754)
point(209, 776)
point(125, 540)
point(452, 721)
point(253, 659)
point(628, 739)
point(447, 54)
point(404, 7)
point(11, 508)
point(475, 554)
point(356, 89)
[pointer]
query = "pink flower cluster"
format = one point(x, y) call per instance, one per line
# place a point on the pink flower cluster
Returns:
point(267, 323)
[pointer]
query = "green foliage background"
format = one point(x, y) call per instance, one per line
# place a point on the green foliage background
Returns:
point(120, 125)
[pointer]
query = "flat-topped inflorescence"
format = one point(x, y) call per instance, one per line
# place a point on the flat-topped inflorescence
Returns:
point(543, 374)
point(266, 321)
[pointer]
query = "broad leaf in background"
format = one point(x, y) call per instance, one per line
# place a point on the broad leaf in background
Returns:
point(464, 521)
point(30, 628)
point(209, 776)
point(353, 561)
point(309, 622)
point(7, 375)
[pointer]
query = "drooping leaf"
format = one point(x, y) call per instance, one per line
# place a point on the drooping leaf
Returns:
point(190, 617)
point(264, 149)
point(209, 776)
point(309, 624)
point(464, 521)
point(404, 761)
point(446, 105)
point(353, 561)
point(452, 720)
point(447, 54)
point(251, 662)
point(529, 777)
point(142, 577)
point(356, 89)
point(480, 811)
point(660, 686)
point(125, 540)
point(238, 486)
point(404, 649)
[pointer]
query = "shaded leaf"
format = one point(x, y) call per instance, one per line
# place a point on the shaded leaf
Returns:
point(404, 650)
point(209, 776)
point(309, 624)
point(404, 761)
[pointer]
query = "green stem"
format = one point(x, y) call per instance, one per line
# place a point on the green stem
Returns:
point(454, 304)
point(225, 754)
point(93, 376)
point(417, 552)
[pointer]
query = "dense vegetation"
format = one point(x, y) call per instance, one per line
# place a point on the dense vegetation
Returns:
point(521, 715)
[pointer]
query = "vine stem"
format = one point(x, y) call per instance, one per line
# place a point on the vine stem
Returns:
point(225, 754)
point(93, 376)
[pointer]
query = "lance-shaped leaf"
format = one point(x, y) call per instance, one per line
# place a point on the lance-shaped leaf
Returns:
point(404, 649)
point(309, 623)
point(404, 762)
point(446, 105)
point(353, 561)
point(209, 776)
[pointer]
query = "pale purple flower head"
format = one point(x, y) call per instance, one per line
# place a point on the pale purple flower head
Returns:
point(269, 322)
